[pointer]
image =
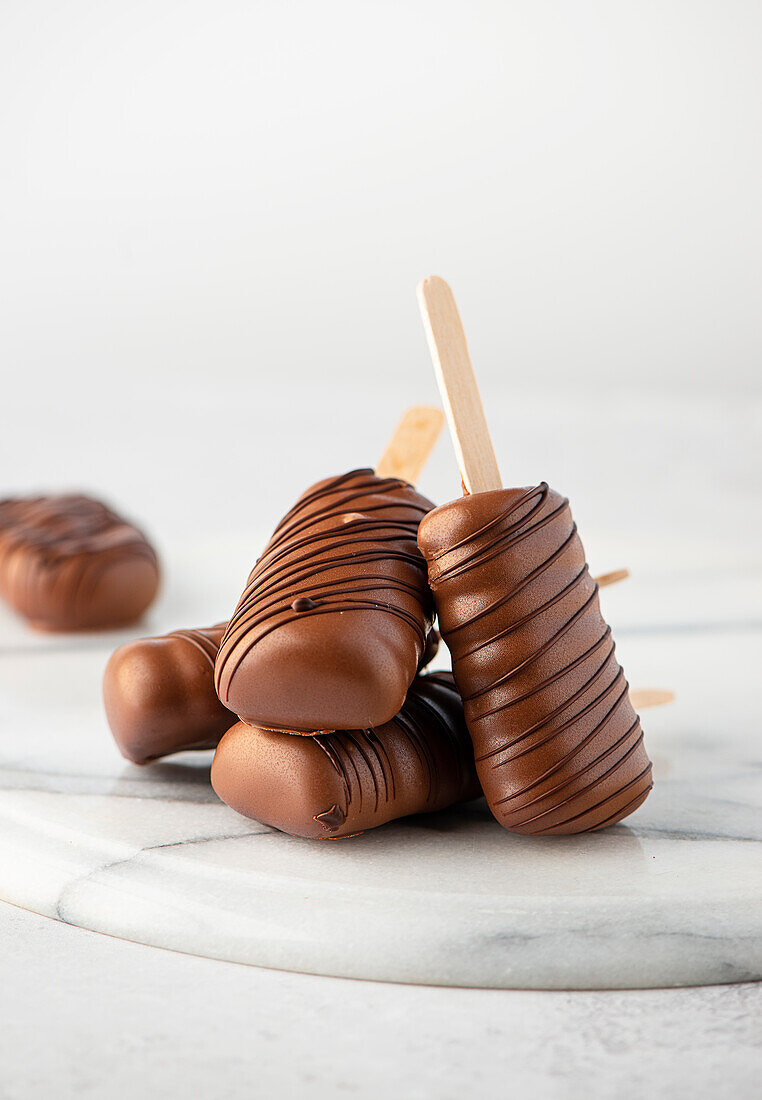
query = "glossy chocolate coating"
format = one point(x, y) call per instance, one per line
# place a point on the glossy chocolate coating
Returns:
point(70, 563)
point(558, 745)
point(339, 784)
point(159, 694)
point(333, 622)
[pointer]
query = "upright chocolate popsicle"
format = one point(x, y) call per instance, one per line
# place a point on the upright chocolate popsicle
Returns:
point(333, 623)
point(159, 694)
point(340, 784)
point(69, 563)
point(559, 748)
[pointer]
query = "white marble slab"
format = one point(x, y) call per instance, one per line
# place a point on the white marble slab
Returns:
point(94, 1017)
point(673, 897)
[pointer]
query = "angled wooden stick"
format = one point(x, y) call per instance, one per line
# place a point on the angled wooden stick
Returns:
point(605, 579)
point(412, 443)
point(457, 385)
point(651, 697)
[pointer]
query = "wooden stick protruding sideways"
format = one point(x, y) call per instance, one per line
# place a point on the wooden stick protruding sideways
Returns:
point(411, 444)
point(605, 579)
point(651, 697)
point(457, 385)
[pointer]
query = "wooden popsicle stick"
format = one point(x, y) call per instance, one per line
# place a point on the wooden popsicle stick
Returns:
point(457, 385)
point(605, 579)
point(412, 443)
point(651, 697)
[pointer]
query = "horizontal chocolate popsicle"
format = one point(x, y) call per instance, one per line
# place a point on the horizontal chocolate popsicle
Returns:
point(559, 748)
point(339, 784)
point(333, 622)
point(69, 563)
point(159, 694)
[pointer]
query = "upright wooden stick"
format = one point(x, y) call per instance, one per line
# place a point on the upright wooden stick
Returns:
point(457, 385)
point(412, 443)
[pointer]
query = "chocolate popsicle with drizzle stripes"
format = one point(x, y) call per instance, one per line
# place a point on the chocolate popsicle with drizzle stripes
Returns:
point(339, 784)
point(558, 745)
point(333, 622)
point(68, 563)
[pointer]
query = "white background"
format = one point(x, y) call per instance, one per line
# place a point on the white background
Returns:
point(214, 216)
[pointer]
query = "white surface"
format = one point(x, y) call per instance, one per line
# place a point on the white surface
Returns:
point(85, 1016)
point(674, 896)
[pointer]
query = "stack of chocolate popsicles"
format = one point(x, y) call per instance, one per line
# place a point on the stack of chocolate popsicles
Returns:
point(321, 661)
point(325, 723)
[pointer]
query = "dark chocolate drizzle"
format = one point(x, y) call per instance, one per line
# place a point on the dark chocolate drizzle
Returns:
point(563, 766)
point(431, 722)
point(205, 639)
point(311, 564)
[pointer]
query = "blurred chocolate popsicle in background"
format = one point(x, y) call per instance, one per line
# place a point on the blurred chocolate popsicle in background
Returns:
point(68, 563)
point(558, 745)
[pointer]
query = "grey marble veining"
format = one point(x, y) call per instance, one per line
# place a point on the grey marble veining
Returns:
point(673, 896)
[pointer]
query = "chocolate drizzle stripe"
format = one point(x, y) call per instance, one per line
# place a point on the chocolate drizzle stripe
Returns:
point(561, 709)
point(509, 539)
point(540, 491)
point(329, 747)
point(603, 802)
point(580, 791)
point(555, 676)
point(534, 614)
point(540, 652)
point(348, 738)
point(390, 786)
point(577, 746)
point(497, 604)
point(633, 804)
point(200, 641)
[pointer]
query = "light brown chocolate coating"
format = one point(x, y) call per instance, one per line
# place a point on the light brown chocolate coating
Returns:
point(159, 694)
point(339, 784)
point(559, 748)
point(333, 622)
point(69, 563)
